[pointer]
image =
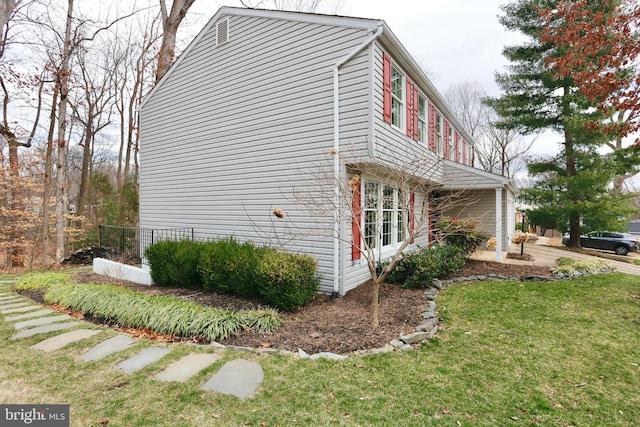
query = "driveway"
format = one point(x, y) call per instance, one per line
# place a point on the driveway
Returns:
point(545, 255)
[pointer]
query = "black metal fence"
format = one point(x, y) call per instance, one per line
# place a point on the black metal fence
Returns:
point(126, 244)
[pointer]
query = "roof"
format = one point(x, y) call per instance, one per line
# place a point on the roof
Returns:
point(387, 39)
point(457, 176)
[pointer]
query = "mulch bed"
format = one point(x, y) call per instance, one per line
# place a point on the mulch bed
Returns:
point(340, 326)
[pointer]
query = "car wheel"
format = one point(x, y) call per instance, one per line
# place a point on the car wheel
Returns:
point(621, 250)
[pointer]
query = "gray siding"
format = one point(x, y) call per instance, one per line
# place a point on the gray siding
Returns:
point(234, 129)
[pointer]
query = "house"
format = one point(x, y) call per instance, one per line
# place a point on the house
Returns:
point(262, 101)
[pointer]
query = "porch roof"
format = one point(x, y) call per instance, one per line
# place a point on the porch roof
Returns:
point(461, 177)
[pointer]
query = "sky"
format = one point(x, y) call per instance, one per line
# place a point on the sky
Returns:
point(453, 40)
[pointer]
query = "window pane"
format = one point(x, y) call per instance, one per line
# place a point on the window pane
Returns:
point(397, 97)
point(422, 119)
point(387, 228)
point(370, 213)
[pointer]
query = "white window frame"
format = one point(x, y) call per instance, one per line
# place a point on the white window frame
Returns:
point(423, 128)
point(396, 100)
point(384, 240)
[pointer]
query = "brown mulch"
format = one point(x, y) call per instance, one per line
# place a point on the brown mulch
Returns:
point(341, 326)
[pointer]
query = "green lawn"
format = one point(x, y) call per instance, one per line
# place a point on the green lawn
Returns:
point(547, 354)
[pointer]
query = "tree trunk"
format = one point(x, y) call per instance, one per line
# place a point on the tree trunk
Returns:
point(61, 164)
point(83, 193)
point(170, 23)
point(375, 302)
point(48, 180)
point(574, 217)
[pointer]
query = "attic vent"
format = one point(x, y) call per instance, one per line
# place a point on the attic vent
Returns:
point(222, 31)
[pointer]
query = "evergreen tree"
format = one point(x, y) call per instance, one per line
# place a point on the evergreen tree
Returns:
point(574, 184)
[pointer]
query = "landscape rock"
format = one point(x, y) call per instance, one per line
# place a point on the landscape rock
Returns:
point(414, 337)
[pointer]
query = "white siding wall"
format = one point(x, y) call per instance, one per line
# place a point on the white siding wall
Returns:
point(392, 146)
point(479, 206)
point(235, 128)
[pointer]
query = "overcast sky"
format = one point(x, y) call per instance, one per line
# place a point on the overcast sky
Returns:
point(453, 40)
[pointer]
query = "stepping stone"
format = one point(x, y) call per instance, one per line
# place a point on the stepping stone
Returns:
point(59, 341)
point(28, 315)
point(146, 357)
point(187, 367)
point(41, 321)
point(110, 346)
point(238, 377)
point(44, 329)
point(14, 304)
point(7, 298)
point(19, 309)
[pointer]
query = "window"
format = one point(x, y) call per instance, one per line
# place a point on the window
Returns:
point(386, 219)
point(439, 132)
point(397, 97)
point(422, 119)
point(370, 213)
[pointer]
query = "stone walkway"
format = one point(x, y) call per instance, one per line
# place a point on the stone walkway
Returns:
point(239, 377)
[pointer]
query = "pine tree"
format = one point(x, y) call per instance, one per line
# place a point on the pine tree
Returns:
point(537, 98)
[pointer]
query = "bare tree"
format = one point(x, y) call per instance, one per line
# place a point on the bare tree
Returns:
point(406, 182)
point(7, 9)
point(501, 151)
point(170, 22)
point(93, 111)
point(497, 151)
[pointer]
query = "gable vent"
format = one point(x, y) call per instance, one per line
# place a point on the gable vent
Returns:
point(222, 31)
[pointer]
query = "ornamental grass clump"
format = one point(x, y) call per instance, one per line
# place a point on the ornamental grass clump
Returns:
point(41, 281)
point(161, 314)
point(570, 266)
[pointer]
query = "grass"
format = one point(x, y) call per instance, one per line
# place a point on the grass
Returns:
point(512, 353)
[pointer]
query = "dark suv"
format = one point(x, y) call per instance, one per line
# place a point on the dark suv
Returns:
point(621, 243)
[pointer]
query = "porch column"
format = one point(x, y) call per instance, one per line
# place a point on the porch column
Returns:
point(499, 224)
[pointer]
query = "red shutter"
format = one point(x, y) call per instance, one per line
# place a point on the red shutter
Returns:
point(432, 128)
point(356, 218)
point(456, 147)
point(410, 107)
point(416, 110)
point(386, 86)
point(464, 152)
point(445, 149)
point(412, 214)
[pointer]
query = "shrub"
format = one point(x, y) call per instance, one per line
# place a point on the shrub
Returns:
point(461, 233)
point(228, 267)
point(41, 281)
point(287, 281)
point(570, 266)
point(417, 270)
point(161, 314)
point(175, 263)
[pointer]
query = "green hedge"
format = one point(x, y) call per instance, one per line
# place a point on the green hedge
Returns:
point(175, 263)
point(287, 281)
point(282, 280)
point(418, 269)
point(229, 267)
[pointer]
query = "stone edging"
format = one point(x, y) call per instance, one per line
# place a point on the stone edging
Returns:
point(430, 322)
